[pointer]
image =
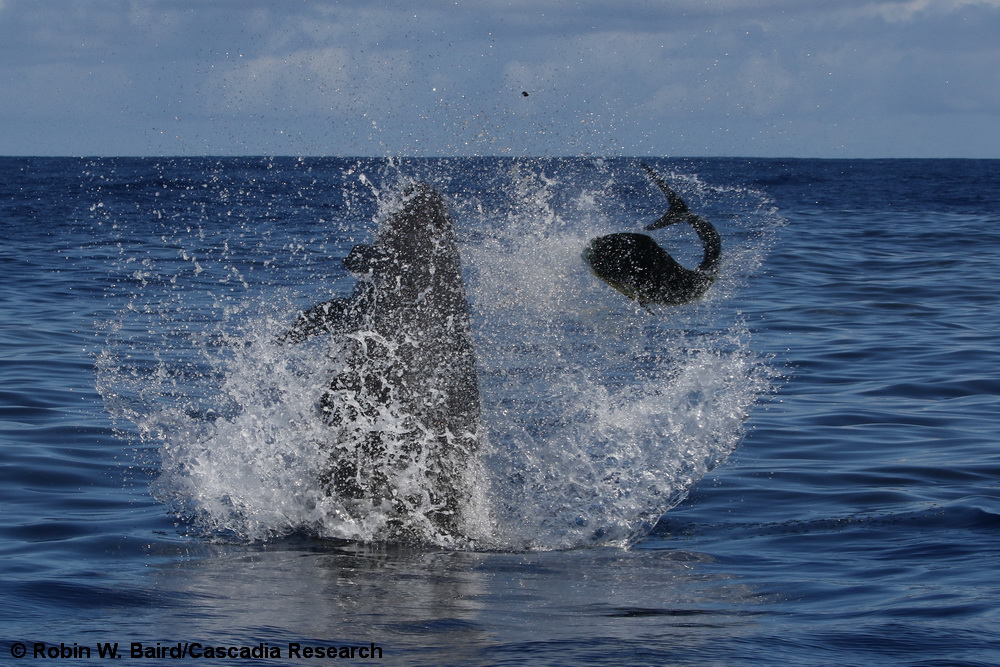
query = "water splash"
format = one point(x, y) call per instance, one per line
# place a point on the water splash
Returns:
point(598, 416)
point(602, 416)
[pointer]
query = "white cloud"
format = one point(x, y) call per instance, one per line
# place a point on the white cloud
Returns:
point(301, 82)
point(445, 76)
point(908, 10)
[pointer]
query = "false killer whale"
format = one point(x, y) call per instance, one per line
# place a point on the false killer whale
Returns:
point(404, 410)
point(635, 265)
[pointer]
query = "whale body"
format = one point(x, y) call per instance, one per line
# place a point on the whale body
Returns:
point(404, 409)
point(636, 265)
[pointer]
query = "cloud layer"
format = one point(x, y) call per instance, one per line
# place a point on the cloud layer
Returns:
point(824, 78)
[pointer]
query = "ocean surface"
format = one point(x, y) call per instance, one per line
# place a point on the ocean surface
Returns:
point(801, 468)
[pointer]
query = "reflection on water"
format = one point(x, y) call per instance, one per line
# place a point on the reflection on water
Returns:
point(436, 607)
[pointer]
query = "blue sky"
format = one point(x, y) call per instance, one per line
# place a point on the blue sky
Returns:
point(780, 78)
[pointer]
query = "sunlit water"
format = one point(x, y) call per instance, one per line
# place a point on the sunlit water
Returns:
point(160, 450)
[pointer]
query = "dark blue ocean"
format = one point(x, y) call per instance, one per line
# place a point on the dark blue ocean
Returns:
point(801, 468)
